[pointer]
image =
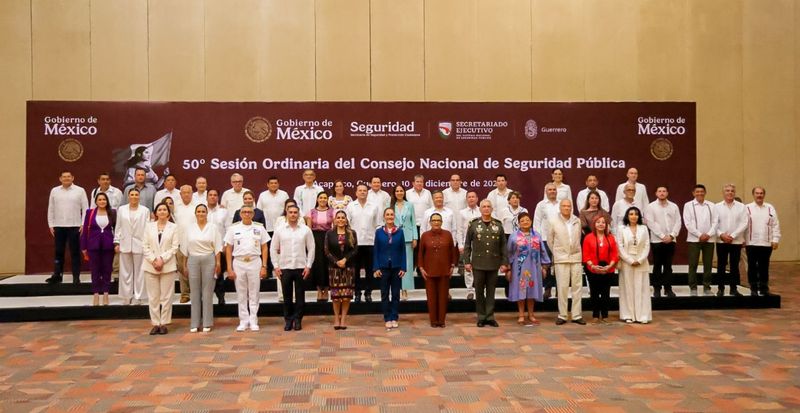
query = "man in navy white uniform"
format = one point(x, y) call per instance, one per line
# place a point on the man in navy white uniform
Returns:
point(246, 253)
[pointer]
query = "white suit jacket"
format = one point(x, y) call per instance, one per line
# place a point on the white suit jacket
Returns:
point(166, 248)
point(129, 232)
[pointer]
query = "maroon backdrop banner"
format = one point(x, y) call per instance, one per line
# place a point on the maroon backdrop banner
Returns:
point(354, 141)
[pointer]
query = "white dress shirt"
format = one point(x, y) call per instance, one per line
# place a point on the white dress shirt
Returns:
point(663, 219)
point(202, 241)
point(464, 217)
point(563, 191)
point(448, 219)
point(699, 219)
point(199, 198)
point(67, 206)
point(732, 220)
point(580, 201)
point(364, 220)
point(455, 200)
point(184, 214)
point(218, 216)
point(114, 197)
point(499, 201)
point(272, 206)
point(640, 200)
point(129, 231)
point(292, 247)
point(306, 197)
point(232, 201)
point(175, 194)
point(509, 218)
point(763, 228)
point(545, 210)
point(618, 213)
point(422, 201)
point(379, 198)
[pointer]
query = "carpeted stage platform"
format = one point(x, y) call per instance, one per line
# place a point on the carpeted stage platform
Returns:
point(29, 298)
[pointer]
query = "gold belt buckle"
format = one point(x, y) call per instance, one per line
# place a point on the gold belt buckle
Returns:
point(246, 258)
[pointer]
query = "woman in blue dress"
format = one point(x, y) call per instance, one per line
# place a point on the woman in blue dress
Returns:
point(528, 261)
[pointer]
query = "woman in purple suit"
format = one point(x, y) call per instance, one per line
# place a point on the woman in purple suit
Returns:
point(97, 244)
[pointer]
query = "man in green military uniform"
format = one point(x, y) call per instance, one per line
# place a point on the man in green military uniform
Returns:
point(484, 255)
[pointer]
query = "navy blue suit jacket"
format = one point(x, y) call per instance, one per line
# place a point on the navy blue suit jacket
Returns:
point(383, 253)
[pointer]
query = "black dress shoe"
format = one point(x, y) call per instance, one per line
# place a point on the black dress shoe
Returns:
point(493, 323)
point(580, 321)
point(154, 331)
point(76, 280)
point(368, 297)
point(657, 293)
point(481, 323)
point(288, 326)
point(55, 279)
point(560, 321)
point(298, 325)
point(358, 298)
point(670, 293)
point(736, 293)
point(753, 293)
point(162, 330)
point(720, 292)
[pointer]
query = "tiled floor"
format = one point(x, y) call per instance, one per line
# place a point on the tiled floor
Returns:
point(691, 361)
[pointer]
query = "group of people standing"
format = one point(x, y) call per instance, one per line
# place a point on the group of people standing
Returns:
point(339, 245)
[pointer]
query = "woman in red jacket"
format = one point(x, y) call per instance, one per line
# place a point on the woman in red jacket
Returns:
point(600, 255)
point(97, 244)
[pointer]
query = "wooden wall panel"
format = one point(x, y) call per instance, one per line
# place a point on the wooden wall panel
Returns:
point(342, 51)
point(450, 38)
point(397, 50)
point(176, 55)
point(61, 52)
point(119, 50)
point(558, 72)
point(287, 66)
point(15, 82)
point(768, 110)
point(503, 51)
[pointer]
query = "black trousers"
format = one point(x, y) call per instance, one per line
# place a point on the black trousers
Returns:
point(550, 280)
point(364, 261)
point(599, 291)
point(64, 235)
point(219, 283)
point(758, 268)
point(292, 281)
point(663, 254)
point(728, 254)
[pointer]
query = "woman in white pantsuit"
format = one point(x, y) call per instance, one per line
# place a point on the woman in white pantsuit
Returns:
point(203, 244)
point(161, 241)
point(132, 219)
point(634, 270)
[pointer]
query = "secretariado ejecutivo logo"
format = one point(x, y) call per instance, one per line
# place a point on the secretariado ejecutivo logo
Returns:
point(445, 129)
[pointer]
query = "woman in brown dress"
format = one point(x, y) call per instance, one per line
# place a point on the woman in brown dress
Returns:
point(437, 257)
point(341, 246)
